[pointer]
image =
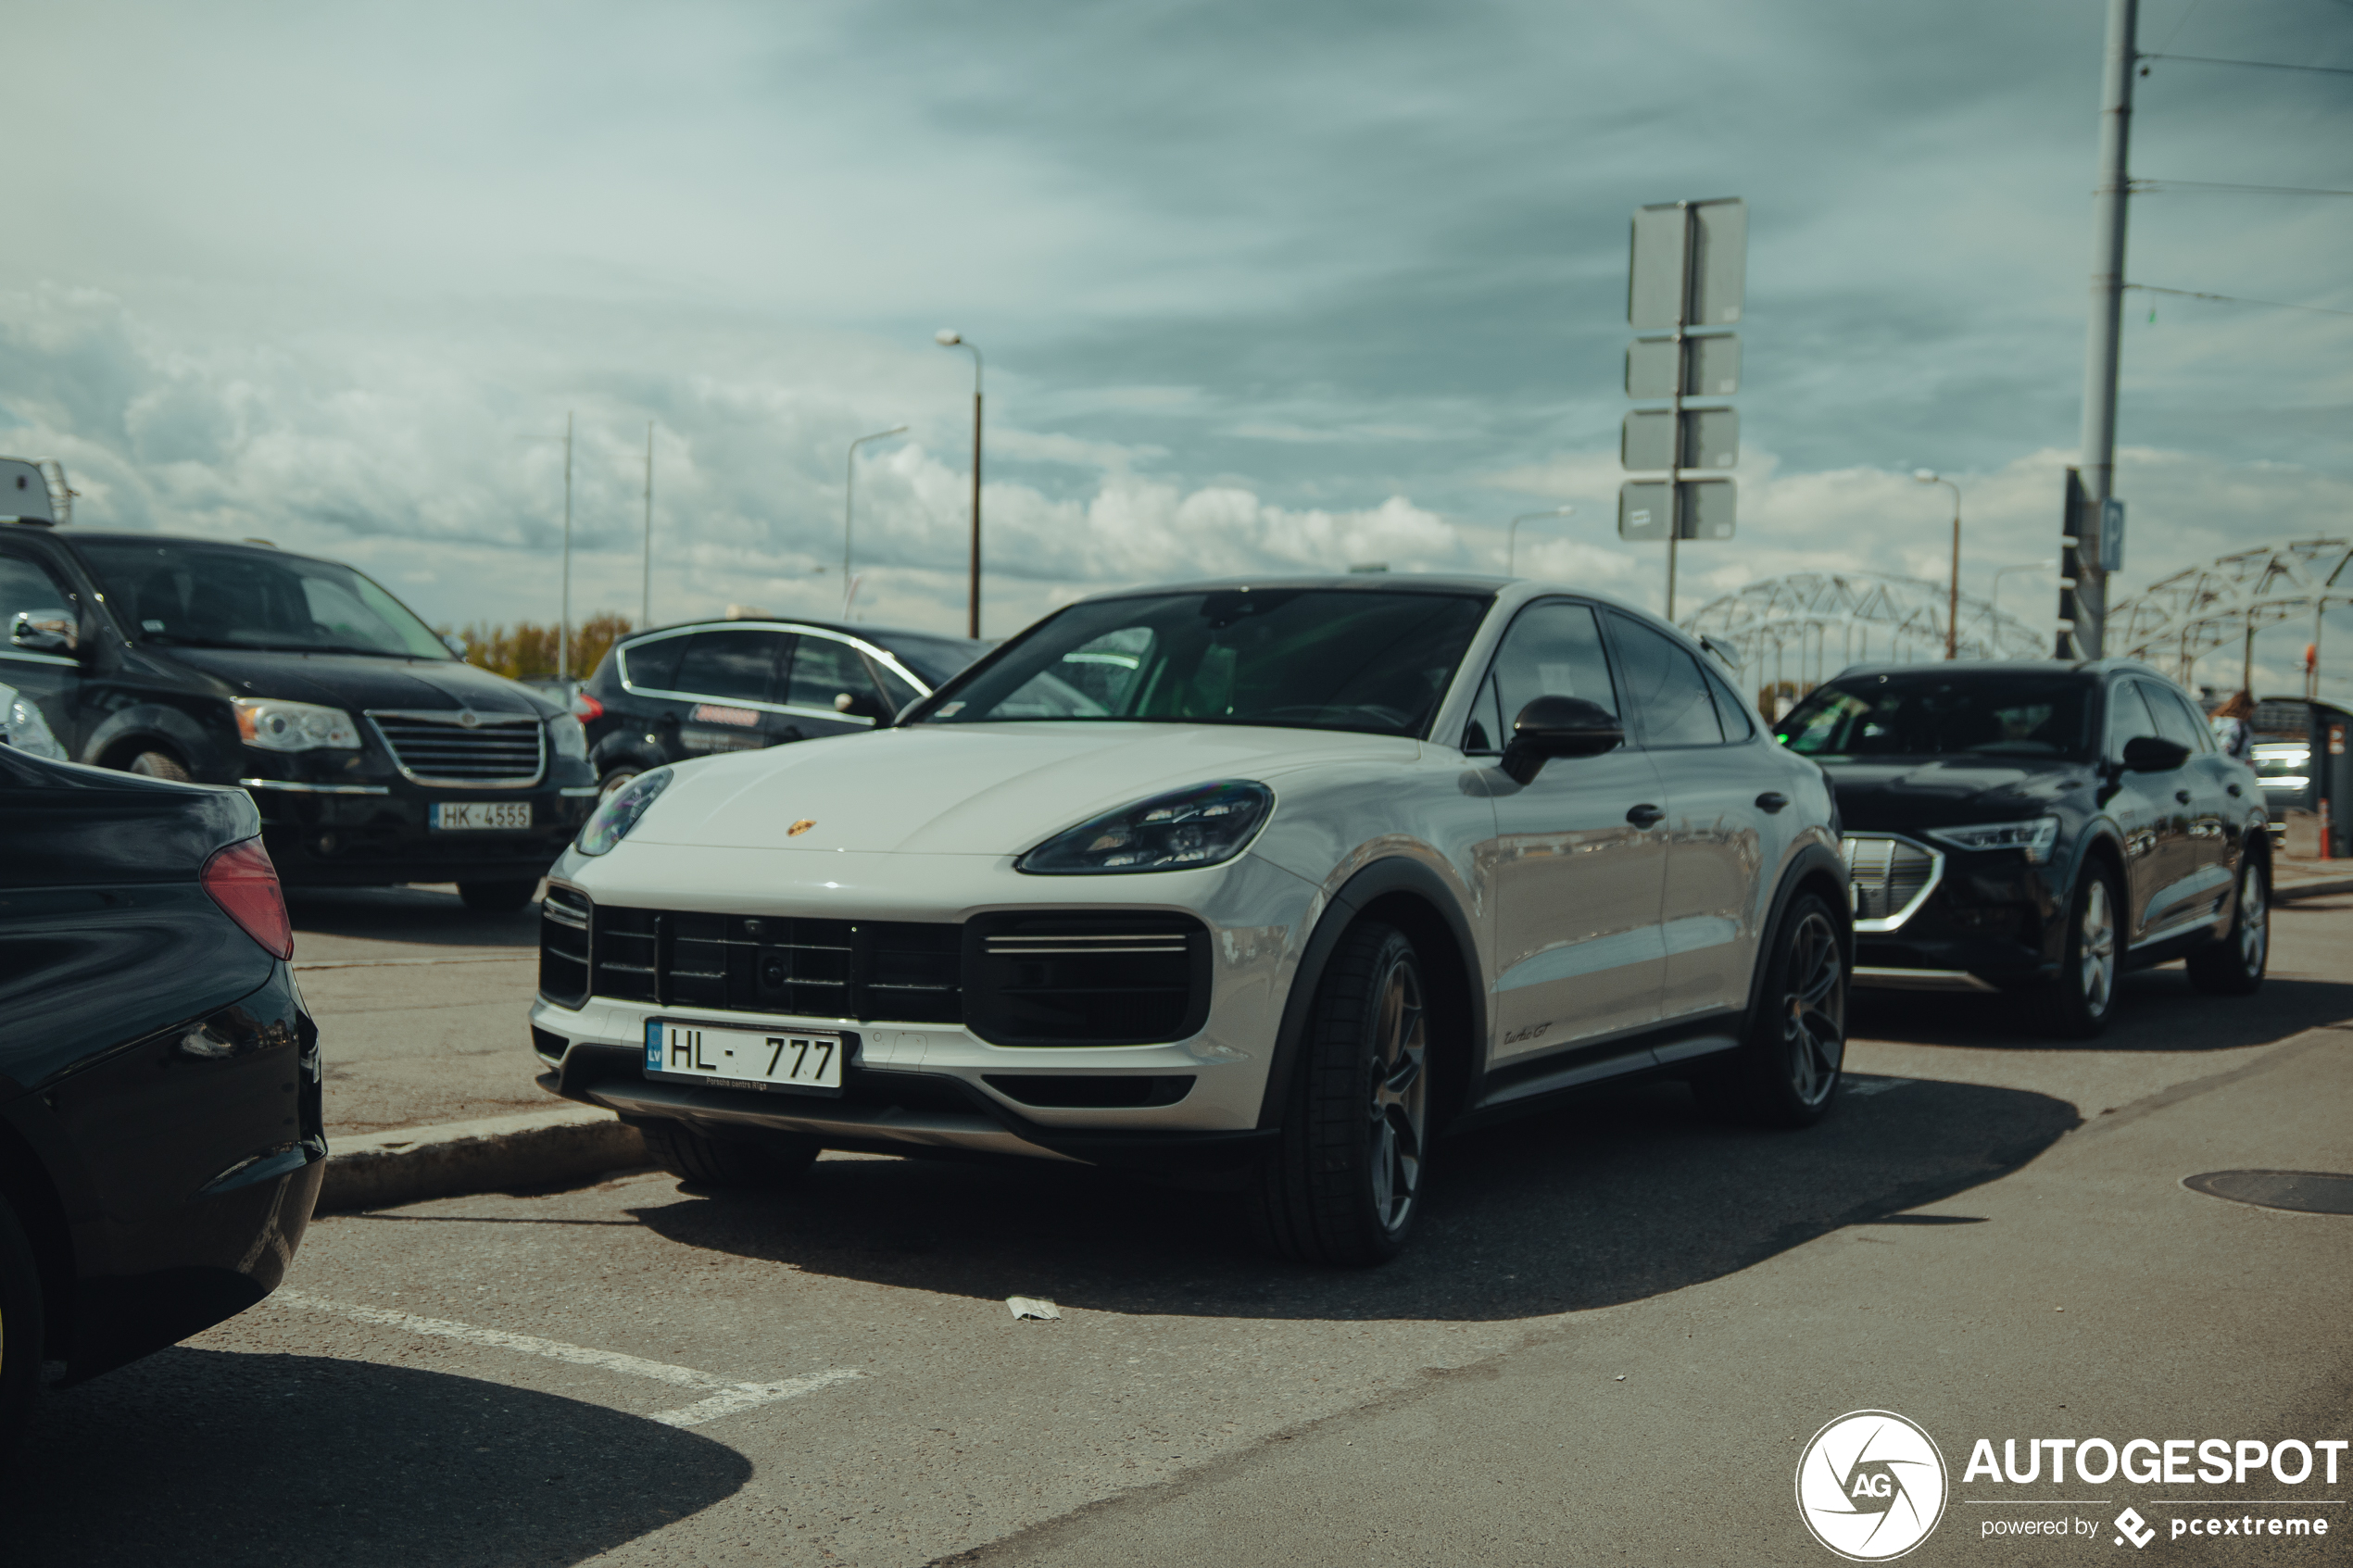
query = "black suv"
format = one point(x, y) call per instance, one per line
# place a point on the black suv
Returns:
point(375, 754)
point(739, 685)
point(2038, 827)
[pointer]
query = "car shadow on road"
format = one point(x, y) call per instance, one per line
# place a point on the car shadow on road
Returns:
point(433, 915)
point(196, 1458)
point(2156, 1010)
point(1618, 1198)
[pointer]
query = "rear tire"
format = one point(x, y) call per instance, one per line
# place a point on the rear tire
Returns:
point(2077, 1004)
point(498, 897)
point(2233, 965)
point(1346, 1179)
point(159, 765)
point(755, 1158)
point(1786, 1073)
point(21, 1330)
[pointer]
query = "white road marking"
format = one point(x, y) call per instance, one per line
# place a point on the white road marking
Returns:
point(729, 1397)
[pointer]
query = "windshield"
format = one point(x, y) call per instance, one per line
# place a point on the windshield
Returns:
point(1941, 715)
point(223, 596)
point(1299, 658)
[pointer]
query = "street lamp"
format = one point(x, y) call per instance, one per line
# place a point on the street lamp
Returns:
point(1511, 536)
point(848, 500)
point(1996, 599)
point(948, 337)
point(1953, 599)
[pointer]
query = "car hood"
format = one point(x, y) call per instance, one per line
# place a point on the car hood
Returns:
point(357, 681)
point(1942, 791)
point(971, 789)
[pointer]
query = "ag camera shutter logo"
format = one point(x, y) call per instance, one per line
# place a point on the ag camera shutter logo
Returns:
point(1871, 1485)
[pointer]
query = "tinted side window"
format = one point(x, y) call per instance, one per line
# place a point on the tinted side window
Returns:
point(653, 665)
point(2173, 721)
point(732, 665)
point(28, 586)
point(1553, 649)
point(2128, 717)
point(1664, 688)
point(1730, 710)
point(823, 669)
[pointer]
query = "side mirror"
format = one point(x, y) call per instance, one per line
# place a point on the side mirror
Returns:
point(1559, 726)
point(43, 631)
point(2148, 754)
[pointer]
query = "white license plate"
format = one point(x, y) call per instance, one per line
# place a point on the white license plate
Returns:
point(458, 815)
point(757, 1058)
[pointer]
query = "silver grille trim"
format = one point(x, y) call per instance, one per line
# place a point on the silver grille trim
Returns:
point(1126, 942)
point(461, 749)
point(1889, 878)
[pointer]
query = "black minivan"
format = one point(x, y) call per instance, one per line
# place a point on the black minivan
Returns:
point(375, 754)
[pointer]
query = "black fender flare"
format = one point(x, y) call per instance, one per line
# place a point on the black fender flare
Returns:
point(208, 761)
point(1810, 861)
point(1375, 882)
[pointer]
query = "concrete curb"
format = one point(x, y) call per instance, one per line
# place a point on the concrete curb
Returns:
point(537, 1149)
point(2310, 887)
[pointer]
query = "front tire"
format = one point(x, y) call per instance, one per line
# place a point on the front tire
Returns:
point(1786, 1071)
point(21, 1330)
point(159, 765)
point(614, 779)
point(498, 897)
point(2076, 1003)
point(2233, 965)
point(756, 1160)
point(1346, 1179)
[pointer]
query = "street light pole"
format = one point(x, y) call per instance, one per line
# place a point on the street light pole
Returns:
point(1511, 536)
point(850, 499)
point(563, 626)
point(948, 337)
point(1953, 596)
point(2104, 339)
point(646, 588)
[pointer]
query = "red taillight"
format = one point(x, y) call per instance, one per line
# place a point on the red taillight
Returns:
point(244, 883)
point(585, 707)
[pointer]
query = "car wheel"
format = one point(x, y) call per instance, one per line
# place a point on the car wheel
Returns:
point(498, 897)
point(752, 1158)
point(21, 1329)
point(1786, 1071)
point(2233, 965)
point(615, 779)
point(159, 765)
point(2076, 1004)
point(1346, 1179)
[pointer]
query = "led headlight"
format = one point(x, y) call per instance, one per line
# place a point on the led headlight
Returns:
point(273, 725)
point(570, 739)
point(1176, 831)
point(619, 811)
point(2034, 837)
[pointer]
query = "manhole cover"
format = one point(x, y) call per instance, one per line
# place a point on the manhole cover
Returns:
point(2306, 1192)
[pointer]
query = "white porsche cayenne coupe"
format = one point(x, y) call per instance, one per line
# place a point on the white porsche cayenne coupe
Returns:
point(1263, 884)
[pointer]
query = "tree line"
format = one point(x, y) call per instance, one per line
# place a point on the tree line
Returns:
point(527, 651)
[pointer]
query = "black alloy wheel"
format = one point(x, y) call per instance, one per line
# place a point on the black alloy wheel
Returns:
point(21, 1329)
point(1786, 1073)
point(753, 1158)
point(498, 897)
point(1346, 1179)
point(2233, 964)
point(2077, 1002)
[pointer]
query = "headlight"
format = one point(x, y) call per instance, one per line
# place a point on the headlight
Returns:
point(570, 739)
point(619, 811)
point(295, 726)
point(2034, 837)
point(1176, 831)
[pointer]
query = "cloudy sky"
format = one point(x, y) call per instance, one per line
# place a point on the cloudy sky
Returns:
point(1260, 287)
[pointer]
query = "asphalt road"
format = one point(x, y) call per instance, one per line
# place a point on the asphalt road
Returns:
point(1617, 1330)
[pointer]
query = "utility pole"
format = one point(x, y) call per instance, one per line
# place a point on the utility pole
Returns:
point(646, 589)
point(564, 627)
point(2101, 344)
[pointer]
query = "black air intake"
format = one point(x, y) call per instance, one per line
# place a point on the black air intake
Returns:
point(1086, 980)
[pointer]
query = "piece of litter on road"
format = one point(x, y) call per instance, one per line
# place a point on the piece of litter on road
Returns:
point(1031, 1307)
point(1873, 1086)
point(1621, 1377)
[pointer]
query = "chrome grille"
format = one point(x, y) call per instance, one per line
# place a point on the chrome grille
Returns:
point(1889, 878)
point(438, 747)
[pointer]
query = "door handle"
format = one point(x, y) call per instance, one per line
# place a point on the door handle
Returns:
point(1771, 800)
point(1644, 816)
point(2182, 795)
